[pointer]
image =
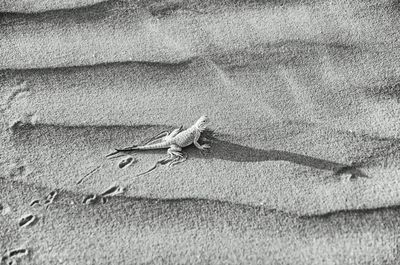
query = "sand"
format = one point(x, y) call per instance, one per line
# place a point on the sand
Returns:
point(294, 91)
point(36, 6)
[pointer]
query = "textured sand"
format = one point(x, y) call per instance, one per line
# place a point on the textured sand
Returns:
point(295, 91)
point(139, 230)
point(29, 6)
point(280, 156)
point(161, 31)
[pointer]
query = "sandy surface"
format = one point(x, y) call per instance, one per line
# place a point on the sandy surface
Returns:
point(295, 91)
point(34, 6)
point(129, 230)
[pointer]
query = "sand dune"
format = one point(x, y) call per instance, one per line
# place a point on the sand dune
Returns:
point(116, 31)
point(284, 87)
point(299, 133)
point(195, 231)
point(281, 175)
point(295, 90)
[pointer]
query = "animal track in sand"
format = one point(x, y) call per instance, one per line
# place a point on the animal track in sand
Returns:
point(126, 162)
point(34, 202)
point(27, 220)
point(50, 197)
point(11, 257)
point(90, 199)
point(94, 198)
point(18, 253)
point(112, 191)
point(87, 175)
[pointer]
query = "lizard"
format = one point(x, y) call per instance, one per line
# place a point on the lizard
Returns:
point(174, 141)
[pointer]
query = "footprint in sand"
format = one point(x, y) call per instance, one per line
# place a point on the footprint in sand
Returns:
point(126, 162)
point(50, 197)
point(27, 220)
point(112, 191)
point(90, 199)
point(11, 257)
point(34, 203)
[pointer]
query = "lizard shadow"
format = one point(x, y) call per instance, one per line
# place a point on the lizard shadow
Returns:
point(225, 150)
point(49, 135)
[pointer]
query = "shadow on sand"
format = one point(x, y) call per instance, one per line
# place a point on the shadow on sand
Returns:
point(220, 149)
point(225, 150)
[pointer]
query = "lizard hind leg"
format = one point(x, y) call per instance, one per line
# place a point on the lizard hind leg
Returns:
point(177, 160)
point(176, 154)
point(159, 162)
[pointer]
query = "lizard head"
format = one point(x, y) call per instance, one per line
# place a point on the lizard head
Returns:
point(202, 123)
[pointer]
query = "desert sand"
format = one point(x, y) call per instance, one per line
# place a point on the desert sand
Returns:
point(295, 91)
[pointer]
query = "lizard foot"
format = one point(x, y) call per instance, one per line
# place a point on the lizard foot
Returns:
point(204, 147)
point(177, 160)
point(162, 161)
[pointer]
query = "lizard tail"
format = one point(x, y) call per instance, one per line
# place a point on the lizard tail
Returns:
point(122, 150)
point(113, 153)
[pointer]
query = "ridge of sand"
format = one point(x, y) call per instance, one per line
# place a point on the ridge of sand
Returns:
point(190, 231)
point(122, 31)
point(303, 125)
point(315, 86)
point(294, 91)
point(283, 176)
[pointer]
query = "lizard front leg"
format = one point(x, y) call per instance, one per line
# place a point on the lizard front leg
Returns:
point(196, 143)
